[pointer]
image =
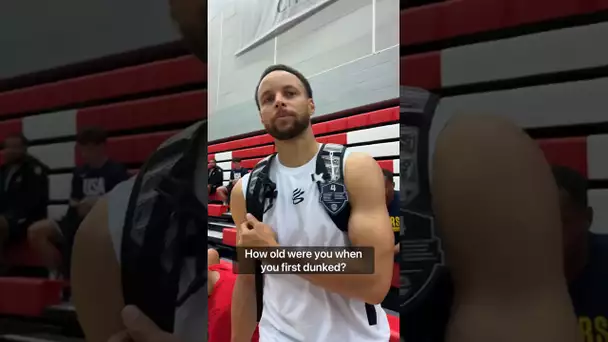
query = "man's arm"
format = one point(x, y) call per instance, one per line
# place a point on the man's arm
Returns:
point(96, 279)
point(497, 202)
point(243, 295)
point(369, 226)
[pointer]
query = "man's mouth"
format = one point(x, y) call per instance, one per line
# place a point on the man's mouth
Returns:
point(284, 114)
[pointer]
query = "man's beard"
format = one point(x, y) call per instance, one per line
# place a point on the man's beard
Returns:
point(300, 125)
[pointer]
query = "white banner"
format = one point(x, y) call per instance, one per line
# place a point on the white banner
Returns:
point(264, 19)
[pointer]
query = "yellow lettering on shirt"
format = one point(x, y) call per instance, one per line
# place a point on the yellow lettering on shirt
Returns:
point(395, 222)
point(594, 329)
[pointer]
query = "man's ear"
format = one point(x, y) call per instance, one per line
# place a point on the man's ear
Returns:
point(311, 106)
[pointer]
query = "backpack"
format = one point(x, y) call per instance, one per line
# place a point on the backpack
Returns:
point(164, 224)
point(418, 275)
point(329, 176)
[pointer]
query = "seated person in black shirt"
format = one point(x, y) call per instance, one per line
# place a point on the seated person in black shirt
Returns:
point(23, 190)
point(586, 256)
point(235, 174)
point(392, 202)
point(216, 177)
point(90, 181)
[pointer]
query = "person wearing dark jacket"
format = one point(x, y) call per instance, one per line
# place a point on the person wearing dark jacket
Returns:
point(24, 190)
point(216, 176)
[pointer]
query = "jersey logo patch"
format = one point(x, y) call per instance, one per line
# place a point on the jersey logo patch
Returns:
point(333, 197)
point(297, 197)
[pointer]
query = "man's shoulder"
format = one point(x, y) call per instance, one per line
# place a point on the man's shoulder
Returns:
point(36, 165)
point(116, 167)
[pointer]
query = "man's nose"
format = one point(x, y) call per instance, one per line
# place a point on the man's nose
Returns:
point(279, 101)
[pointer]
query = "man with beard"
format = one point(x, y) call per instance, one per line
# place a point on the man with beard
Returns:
point(24, 189)
point(310, 307)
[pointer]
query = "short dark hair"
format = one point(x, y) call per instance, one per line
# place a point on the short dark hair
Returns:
point(388, 175)
point(19, 136)
point(92, 136)
point(282, 67)
point(236, 160)
point(573, 182)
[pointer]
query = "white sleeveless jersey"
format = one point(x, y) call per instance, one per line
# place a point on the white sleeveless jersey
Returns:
point(295, 309)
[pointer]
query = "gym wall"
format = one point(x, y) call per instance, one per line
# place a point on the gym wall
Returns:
point(541, 64)
point(42, 35)
point(348, 50)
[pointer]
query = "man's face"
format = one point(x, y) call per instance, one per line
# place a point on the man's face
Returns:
point(92, 153)
point(14, 150)
point(576, 222)
point(390, 191)
point(211, 164)
point(236, 165)
point(191, 19)
point(285, 107)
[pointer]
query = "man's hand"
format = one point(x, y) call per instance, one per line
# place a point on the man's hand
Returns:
point(140, 328)
point(254, 233)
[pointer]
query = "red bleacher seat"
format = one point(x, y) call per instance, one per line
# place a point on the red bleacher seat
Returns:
point(229, 237)
point(134, 148)
point(254, 152)
point(155, 111)
point(28, 296)
point(570, 152)
point(10, 127)
point(393, 322)
point(131, 80)
point(216, 209)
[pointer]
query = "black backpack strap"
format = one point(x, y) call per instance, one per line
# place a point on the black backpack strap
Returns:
point(330, 181)
point(260, 189)
point(161, 209)
point(418, 275)
point(334, 197)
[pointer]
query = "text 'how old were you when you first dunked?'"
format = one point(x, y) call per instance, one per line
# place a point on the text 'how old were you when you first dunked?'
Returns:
point(307, 260)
